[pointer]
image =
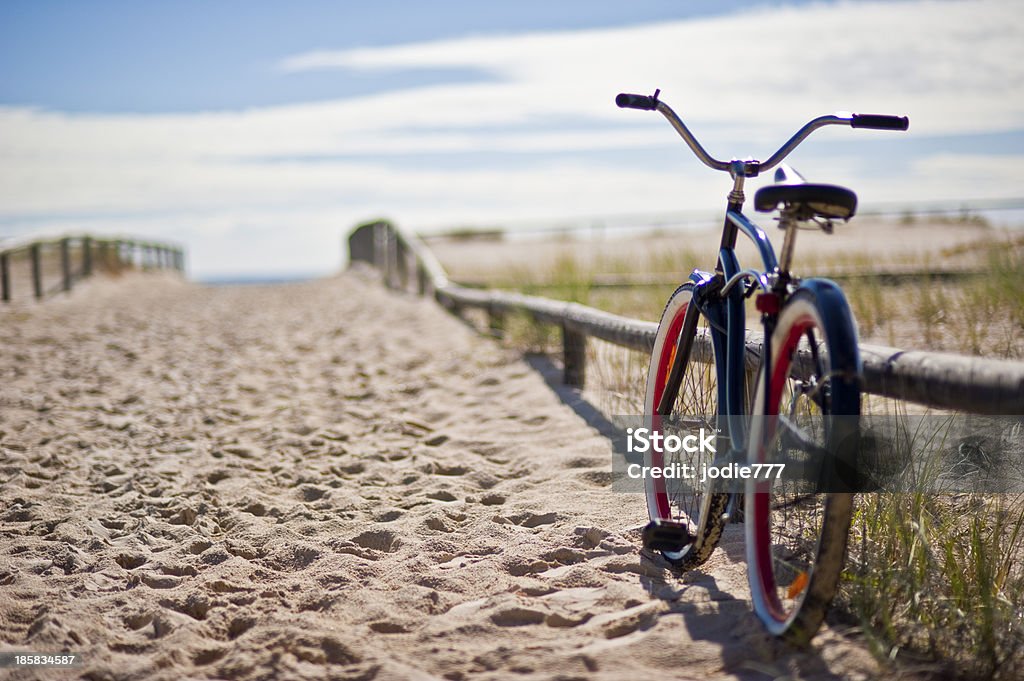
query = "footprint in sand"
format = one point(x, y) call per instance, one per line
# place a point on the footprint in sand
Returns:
point(521, 567)
point(129, 561)
point(195, 606)
point(596, 478)
point(590, 537)
point(517, 617)
point(138, 620)
point(622, 623)
point(563, 621)
point(388, 627)
point(155, 581)
point(438, 524)
point(255, 508)
point(208, 656)
point(292, 557)
point(454, 470)
point(585, 462)
point(239, 626)
point(378, 540)
point(312, 493)
point(528, 520)
point(565, 556)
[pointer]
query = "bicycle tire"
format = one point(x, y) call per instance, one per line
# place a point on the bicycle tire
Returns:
point(797, 530)
point(696, 397)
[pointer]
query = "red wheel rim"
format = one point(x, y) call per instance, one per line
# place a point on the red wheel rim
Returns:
point(664, 363)
point(762, 497)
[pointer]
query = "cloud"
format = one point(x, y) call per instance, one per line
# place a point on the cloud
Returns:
point(951, 67)
point(540, 138)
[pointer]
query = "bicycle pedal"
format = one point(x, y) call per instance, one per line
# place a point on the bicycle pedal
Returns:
point(667, 535)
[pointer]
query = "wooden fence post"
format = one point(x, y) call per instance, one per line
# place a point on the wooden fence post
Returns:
point(65, 262)
point(37, 271)
point(380, 249)
point(394, 246)
point(574, 356)
point(496, 321)
point(390, 258)
point(421, 280)
point(402, 265)
point(86, 256)
point(5, 277)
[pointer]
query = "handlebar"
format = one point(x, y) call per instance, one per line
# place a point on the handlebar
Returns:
point(626, 101)
point(880, 122)
point(753, 168)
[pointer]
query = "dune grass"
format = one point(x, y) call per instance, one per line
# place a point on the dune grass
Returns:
point(940, 577)
point(980, 314)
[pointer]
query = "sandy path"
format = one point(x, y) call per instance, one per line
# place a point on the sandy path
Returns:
point(329, 481)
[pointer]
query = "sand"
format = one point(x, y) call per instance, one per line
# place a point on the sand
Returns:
point(329, 480)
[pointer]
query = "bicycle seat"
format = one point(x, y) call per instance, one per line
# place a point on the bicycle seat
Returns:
point(807, 199)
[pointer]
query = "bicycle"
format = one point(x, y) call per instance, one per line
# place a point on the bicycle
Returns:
point(806, 402)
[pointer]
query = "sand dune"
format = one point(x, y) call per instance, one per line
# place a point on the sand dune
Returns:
point(328, 480)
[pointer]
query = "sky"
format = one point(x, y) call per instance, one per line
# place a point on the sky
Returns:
point(259, 133)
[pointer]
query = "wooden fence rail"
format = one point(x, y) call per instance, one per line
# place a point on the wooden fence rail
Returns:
point(940, 380)
point(79, 257)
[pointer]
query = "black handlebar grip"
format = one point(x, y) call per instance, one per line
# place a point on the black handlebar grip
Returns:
point(645, 102)
point(880, 122)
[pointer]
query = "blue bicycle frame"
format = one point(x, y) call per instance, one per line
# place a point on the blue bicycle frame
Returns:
point(727, 318)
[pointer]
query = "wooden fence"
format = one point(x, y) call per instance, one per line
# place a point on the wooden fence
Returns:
point(940, 380)
point(72, 258)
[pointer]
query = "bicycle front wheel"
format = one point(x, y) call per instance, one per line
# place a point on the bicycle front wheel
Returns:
point(682, 399)
point(807, 411)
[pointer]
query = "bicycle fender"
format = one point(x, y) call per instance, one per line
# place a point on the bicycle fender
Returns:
point(838, 320)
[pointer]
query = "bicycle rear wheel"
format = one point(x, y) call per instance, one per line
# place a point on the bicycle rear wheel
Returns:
point(797, 526)
point(681, 400)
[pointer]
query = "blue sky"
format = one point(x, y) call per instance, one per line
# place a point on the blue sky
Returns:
point(189, 55)
point(258, 133)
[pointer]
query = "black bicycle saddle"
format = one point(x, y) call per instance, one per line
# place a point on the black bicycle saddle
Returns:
point(808, 199)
